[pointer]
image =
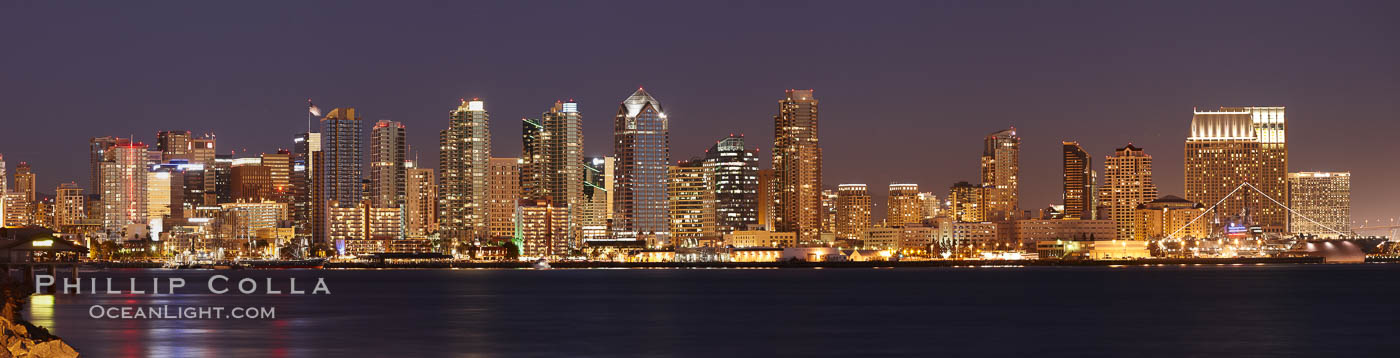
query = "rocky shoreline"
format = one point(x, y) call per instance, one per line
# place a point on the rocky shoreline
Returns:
point(20, 338)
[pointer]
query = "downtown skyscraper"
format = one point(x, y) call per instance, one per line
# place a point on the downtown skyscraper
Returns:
point(852, 211)
point(735, 172)
point(388, 152)
point(340, 163)
point(903, 207)
point(306, 149)
point(124, 189)
point(797, 166)
point(642, 145)
point(1322, 203)
point(464, 160)
point(552, 166)
point(1078, 191)
point(1127, 183)
point(1001, 166)
point(1237, 145)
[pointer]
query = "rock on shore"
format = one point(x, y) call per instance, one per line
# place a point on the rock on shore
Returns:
point(21, 339)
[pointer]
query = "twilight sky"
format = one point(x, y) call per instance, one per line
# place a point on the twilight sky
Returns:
point(908, 89)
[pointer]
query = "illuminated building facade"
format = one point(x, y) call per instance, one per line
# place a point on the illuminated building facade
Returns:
point(1170, 217)
point(1237, 145)
point(68, 205)
point(305, 148)
point(250, 181)
point(503, 178)
point(279, 168)
point(388, 152)
point(124, 189)
point(903, 206)
point(1127, 183)
point(692, 204)
point(544, 228)
point(364, 228)
point(642, 144)
point(465, 158)
point(593, 216)
point(797, 166)
point(420, 201)
point(966, 202)
point(1078, 182)
point(24, 182)
point(932, 208)
point(1001, 165)
point(552, 157)
point(340, 171)
point(735, 183)
point(766, 195)
point(1323, 197)
point(852, 210)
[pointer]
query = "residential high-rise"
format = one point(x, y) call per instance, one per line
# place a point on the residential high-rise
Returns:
point(465, 158)
point(1078, 182)
point(97, 153)
point(14, 211)
point(797, 166)
point(420, 201)
point(593, 215)
point(543, 228)
point(766, 195)
point(68, 205)
point(1127, 184)
point(1001, 152)
point(931, 206)
point(503, 178)
point(852, 211)
point(1321, 202)
point(388, 152)
point(552, 157)
point(642, 144)
point(829, 211)
point(692, 203)
point(903, 207)
point(124, 189)
point(1238, 145)
point(735, 183)
point(341, 132)
point(967, 202)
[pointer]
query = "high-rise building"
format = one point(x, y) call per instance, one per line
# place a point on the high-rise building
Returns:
point(465, 158)
point(551, 161)
point(4, 177)
point(223, 178)
point(1127, 183)
point(388, 152)
point(593, 217)
point(24, 182)
point(903, 207)
point(15, 211)
point(68, 205)
point(165, 189)
point(124, 189)
point(766, 194)
point(305, 147)
point(967, 203)
point(852, 211)
point(503, 178)
point(1078, 182)
point(341, 131)
point(250, 181)
point(692, 203)
point(829, 211)
point(642, 143)
point(279, 168)
point(1001, 165)
point(1237, 145)
point(173, 145)
point(420, 201)
point(735, 184)
point(543, 228)
point(201, 152)
point(97, 153)
point(1321, 202)
point(931, 206)
point(1168, 217)
point(797, 166)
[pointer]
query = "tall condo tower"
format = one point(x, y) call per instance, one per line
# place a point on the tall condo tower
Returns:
point(1078, 182)
point(553, 168)
point(387, 172)
point(1127, 183)
point(465, 158)
point(1001, 165)
point(797, 166)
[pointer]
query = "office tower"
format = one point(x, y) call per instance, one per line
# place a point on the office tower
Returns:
point(552, 156)
point(124, 190)
point(97, 153)
point(829, 211)
point(852, 210)
point(593, 216)
point(279, 167)
point(1001, 164)
point(1321, 202)
point(223, 178)
point(797, 166)
point(1238, 145)
point(642, 143)
point(902, 206)
point(967, 202)
point(503, 178)
point(341, 131)
point(766, 194)
point(543, 228)
point(465, 158)
point(692, 203)
point(735, 184)
point(1169, 217)
point(250, 181)
point(305, 147)
point(387, 152)
point(1127, 183)
point(68, 205)
point(173, 145)
point(24, 182)
point(931, 206)
point(201, 152)
point(1078, 182)
point(420, 201)
point(165, 189)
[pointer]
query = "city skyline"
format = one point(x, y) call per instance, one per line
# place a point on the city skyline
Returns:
point(1133, 99)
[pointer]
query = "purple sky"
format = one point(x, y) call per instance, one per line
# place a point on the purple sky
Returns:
point(908, 90)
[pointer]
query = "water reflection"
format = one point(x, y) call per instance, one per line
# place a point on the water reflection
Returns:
point(41, 311)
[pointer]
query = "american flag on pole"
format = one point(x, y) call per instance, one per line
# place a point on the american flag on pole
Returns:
point(315, 111)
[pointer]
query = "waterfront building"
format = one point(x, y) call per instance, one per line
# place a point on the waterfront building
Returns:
point(388, 152)
point(543, 228)
point(1028, 232)
point(641, 142)
point(692, 204)
point(1127, 183)
point(420, 201)
point(760, 238)
point(1236, 145)
point(963, 239)
point(552, 157)
point(503, 178)
point(1321, 202)
point(903, 207)
point(465, 158)
point(735, 183)
point(966, 202)
point(852, 211)
point(243, 220)
point(363, 228)
point(1078, 182)
point(881, 238)
point(797, 166)
point(1001, 152)
point(124, 190)
point(1170, 217)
